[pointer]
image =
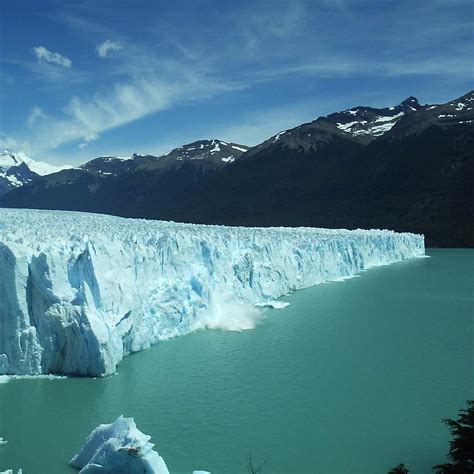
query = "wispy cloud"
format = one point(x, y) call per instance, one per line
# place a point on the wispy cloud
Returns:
point(107, 46)
point(260, 26)
point(281, 53)
point(339, 66)
point(44, 54)
point(91, 137)
point(8, 143)
point(36, 114)
point(85, 119)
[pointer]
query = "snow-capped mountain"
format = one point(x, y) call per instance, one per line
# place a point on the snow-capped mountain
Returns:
point(10, 158)
point(416, 174)
point(210, 150)
point(108, 183)
point(17, 169)
point(216, 153)
point(359, 124)
point(368, 122)
point(408, 167)
point(455, 113)
point(105, 166)
point(14, 176)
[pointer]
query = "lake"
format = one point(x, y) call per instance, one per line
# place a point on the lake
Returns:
point(352, 377)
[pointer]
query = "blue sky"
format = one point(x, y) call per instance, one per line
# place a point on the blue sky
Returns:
point(80, 79)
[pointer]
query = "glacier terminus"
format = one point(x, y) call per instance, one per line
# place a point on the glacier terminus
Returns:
point(79, 292)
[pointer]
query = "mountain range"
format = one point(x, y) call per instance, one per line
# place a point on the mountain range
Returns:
point(409, 168)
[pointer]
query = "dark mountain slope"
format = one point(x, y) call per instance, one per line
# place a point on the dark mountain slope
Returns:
point(417, 177)
point(407, 168)
point(139, 186)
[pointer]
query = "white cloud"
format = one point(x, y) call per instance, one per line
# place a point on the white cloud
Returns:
point(88, 138)
point(35, 115)
point(8, 143)
point(104, 48)
point(84, 119)
point(44, 54)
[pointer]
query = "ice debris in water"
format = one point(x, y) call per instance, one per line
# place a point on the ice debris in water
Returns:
point(81, 291)
point(119, 448)
point(273, 304)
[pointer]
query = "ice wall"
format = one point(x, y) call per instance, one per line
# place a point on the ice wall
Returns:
point(78, 292)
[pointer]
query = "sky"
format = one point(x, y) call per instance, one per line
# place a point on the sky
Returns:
point(81, 79)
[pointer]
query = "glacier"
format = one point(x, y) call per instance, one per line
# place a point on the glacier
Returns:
point(78, 291)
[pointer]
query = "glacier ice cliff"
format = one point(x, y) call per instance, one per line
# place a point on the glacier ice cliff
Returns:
point(119, 448)
point(78, 292)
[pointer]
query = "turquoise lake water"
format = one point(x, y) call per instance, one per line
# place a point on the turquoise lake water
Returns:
point(352, 377)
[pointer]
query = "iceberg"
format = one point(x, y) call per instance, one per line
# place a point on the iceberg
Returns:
point(79, 292)
point(119, 447)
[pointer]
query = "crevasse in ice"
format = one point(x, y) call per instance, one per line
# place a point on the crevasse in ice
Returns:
point(78, 292)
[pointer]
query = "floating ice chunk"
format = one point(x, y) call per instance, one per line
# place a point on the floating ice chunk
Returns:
point(273, 304)
point(11, 471)
point(119, 448)
point(3, 442)
point(8, 378)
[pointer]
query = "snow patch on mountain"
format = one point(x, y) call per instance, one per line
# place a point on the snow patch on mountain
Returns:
point(213, 151)
point(239, 148)
point(374, 126)
point(216, 147)
point(278, 136)
point(13, 180)
point(81, 291)
point(121, 158)
point(389, 118)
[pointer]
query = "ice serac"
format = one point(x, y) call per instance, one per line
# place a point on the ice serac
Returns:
point(119, 448)
point(78, 292)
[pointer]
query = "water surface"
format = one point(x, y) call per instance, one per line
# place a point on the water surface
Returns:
point(352, 377)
